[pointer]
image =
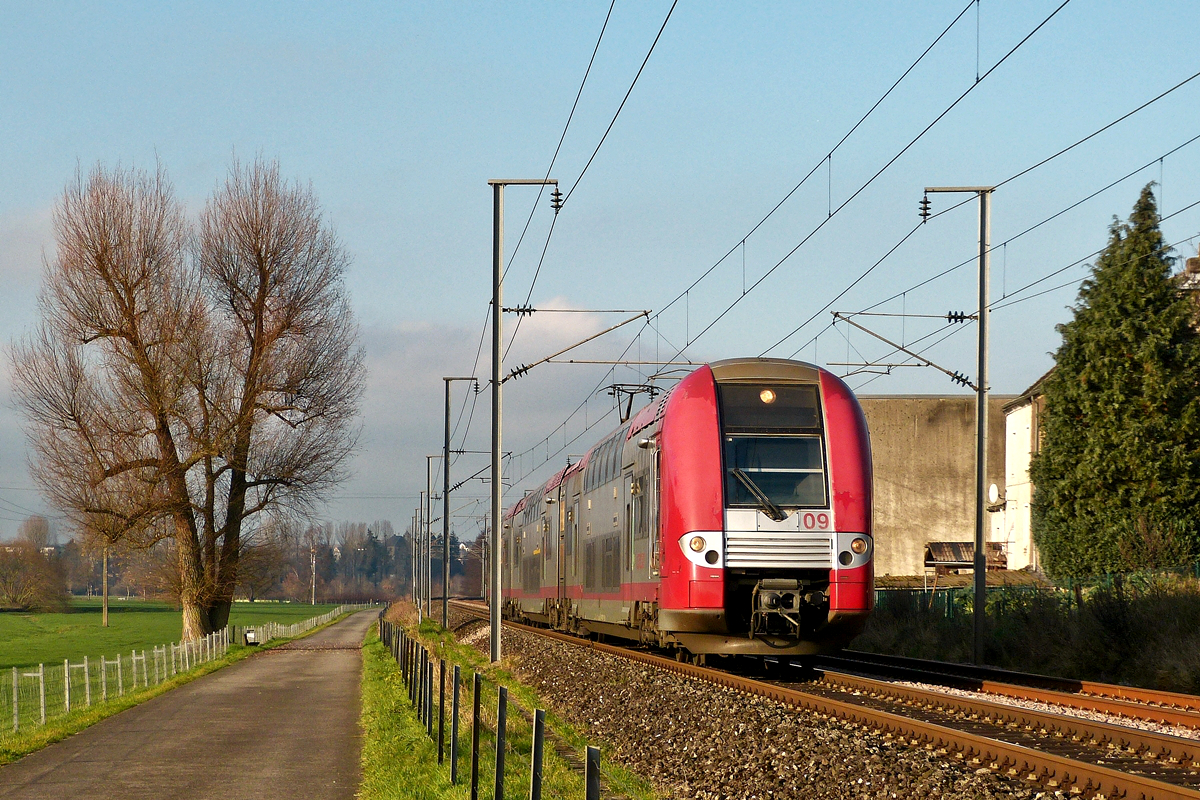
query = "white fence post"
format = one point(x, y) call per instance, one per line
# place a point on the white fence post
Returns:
point(120, 679)
point(67, 685)
point(87, 682)
point(16, 694)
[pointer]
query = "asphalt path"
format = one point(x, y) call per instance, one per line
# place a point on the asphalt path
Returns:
point(280, 724)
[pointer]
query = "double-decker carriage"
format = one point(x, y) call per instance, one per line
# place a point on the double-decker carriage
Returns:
point(731, 515)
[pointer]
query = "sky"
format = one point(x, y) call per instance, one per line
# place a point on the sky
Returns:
point(398, 114)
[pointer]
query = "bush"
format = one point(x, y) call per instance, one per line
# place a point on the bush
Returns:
point(1142, 630)
point(31, 580)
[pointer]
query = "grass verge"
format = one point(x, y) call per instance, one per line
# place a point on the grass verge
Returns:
point(400, 761)
point(29, 739)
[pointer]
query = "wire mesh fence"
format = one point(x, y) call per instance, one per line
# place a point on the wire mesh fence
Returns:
point(30, 696)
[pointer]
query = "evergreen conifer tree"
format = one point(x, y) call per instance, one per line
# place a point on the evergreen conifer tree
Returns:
point(1117, 480)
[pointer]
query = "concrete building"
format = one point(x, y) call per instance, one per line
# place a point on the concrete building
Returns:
point(924, 456)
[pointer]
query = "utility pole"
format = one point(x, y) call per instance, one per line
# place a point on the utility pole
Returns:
point(420, 528)
point(981, 402)
point(446, 504)
point(412, 565)
point(429, 532)
point(497, 369)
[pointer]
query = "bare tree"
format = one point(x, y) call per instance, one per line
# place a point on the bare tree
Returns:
point(184, 379)
point(35, 531)
point(31, 579)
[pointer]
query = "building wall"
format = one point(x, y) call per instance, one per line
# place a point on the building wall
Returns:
point(1021, 442)
point(923, 448)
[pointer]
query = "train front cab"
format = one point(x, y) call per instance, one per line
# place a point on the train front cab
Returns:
point(766, 498)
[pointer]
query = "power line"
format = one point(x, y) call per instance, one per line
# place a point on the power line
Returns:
point(1011, 239)
point(996, 306)
point(570, 116)
point(741, 242)
point(628, 92)
point(873, 178)
point(599, 144)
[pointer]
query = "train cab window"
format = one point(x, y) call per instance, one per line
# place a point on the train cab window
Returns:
point(755, 407)
point(773, 446)
point(787, 471)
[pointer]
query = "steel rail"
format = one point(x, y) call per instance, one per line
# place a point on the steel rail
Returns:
point(1153, 705)
point(1158, 746)
point(1014, 760)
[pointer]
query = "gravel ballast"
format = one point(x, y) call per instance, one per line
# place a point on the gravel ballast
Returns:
point(694, 739)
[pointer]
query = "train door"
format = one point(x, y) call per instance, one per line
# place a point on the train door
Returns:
point(561, 561)
point(627, 499)
point(651, 499)
point(574, 545)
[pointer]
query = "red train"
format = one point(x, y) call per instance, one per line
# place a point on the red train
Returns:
point(732, 515)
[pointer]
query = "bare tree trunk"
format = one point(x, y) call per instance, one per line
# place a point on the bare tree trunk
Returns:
point(104, 602)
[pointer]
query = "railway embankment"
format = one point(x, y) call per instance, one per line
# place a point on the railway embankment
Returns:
point(400, 753)
point(694, 739)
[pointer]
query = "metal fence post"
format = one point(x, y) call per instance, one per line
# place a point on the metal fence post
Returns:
point(66, 685)
point(535, 770)
point(42, 689)
point(16, 695)
point(424, 687)
point(429, 700)
point(87, 683)
point(441, 708)
point(501, 721)
point(104, 679)
point(120, 680)
point(412, 675)
point(591, 773)
point(454, 730)
point(474, 737)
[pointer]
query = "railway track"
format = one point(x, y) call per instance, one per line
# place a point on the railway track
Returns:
point(1168, 708)
point(1064, 753)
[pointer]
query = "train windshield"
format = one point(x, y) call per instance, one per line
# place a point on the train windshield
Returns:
point(773, 451)
point(784, 471)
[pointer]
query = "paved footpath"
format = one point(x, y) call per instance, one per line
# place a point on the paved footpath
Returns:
point(280, 724)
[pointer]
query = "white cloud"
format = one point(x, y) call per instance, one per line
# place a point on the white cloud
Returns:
point(404, 404)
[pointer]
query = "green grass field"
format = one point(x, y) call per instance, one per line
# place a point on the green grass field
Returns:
point(28, 639)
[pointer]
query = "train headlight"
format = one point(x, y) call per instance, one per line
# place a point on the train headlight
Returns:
point(859, 545)
point(767, 396)
point(696, 543)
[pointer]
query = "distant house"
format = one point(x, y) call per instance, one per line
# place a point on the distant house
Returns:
point(923, 448)
point(1022, 438)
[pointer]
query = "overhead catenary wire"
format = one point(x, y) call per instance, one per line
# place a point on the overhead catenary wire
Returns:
point(549, 169)
point(741, 243)
point(624, 100)
point(737, 299)
point(998, 305)
point(1011, 239)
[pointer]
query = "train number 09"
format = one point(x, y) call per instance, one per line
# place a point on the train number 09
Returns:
point(818, 521)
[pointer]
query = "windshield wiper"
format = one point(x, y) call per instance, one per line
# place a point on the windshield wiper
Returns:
point(770, 509)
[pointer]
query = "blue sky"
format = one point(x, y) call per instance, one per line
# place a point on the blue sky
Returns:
point(399, 113)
